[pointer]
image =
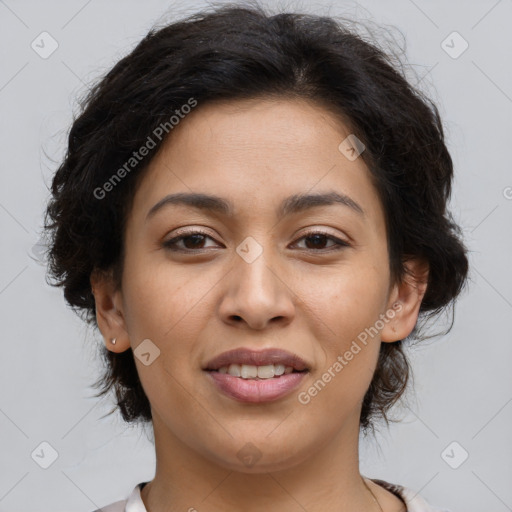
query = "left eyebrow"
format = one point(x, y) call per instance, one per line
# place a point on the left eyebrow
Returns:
point(301, 202)
point(292, 204)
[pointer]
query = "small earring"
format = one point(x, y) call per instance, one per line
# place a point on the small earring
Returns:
point(113, 341)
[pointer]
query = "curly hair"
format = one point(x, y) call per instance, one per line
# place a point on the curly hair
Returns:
point(242, 52)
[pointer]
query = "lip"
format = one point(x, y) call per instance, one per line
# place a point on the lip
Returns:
point(257, 358)
point(255, 391)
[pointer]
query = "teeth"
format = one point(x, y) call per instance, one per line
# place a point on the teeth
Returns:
point(279, 369)
point(234, 369)
point(265, 372)
point(249, 371)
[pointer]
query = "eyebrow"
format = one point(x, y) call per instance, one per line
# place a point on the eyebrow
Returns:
point(292, 204)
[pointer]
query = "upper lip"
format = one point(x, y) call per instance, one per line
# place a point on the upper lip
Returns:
point(256, 358)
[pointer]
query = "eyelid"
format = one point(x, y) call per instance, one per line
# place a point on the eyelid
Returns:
point(186, 232)
point(340, 243)
point(191, 231)
point(322, 231)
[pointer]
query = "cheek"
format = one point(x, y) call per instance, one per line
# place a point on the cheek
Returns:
point(163, 303)
point(345, 306)
point(345, 302)
point(161, 298)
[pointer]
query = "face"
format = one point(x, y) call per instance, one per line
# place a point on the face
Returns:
point(198, 282)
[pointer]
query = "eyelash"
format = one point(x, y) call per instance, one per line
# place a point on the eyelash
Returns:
point(341, 244)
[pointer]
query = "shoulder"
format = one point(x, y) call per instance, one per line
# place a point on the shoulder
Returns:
point(133, 503)
point(118, 506)
point(413, 501)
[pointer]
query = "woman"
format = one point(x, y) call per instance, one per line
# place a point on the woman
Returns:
point(252, 211)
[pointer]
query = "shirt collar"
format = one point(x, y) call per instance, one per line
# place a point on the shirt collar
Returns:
point(413, 501)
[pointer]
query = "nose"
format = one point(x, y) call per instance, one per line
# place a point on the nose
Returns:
point(256, 295)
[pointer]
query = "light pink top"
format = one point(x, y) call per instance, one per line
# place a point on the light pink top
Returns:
point(412, 500)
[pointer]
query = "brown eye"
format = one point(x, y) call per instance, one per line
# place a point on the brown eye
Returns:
point(318, 239)
point(191, 241)
point(195, 240)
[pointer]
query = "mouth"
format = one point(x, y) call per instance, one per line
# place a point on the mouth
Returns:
point(250, 364)
point(263, 372)
point(256, 376)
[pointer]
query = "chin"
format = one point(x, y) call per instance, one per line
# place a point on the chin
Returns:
point(253, 457)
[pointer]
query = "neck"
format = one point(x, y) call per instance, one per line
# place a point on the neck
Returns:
point(327, 480)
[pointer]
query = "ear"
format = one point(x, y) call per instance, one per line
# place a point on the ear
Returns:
point(109, 312)
point(405, 300)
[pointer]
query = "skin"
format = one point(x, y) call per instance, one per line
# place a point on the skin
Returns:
point(314, 303)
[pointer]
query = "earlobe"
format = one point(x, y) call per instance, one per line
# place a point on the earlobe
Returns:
point(405, 301)
point(109, 315)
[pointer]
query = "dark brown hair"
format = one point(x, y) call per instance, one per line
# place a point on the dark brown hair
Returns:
point(236, 52)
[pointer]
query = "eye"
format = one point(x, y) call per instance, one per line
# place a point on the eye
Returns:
point(194, 241)
point(191, 240)
point(318, 241)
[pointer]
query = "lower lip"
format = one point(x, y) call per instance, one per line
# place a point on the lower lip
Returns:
point(255, 391)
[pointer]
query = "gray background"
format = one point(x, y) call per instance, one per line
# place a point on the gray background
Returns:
point(463, 382)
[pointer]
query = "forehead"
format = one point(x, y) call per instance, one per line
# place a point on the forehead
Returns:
point(259, 131)
point(256, 152)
